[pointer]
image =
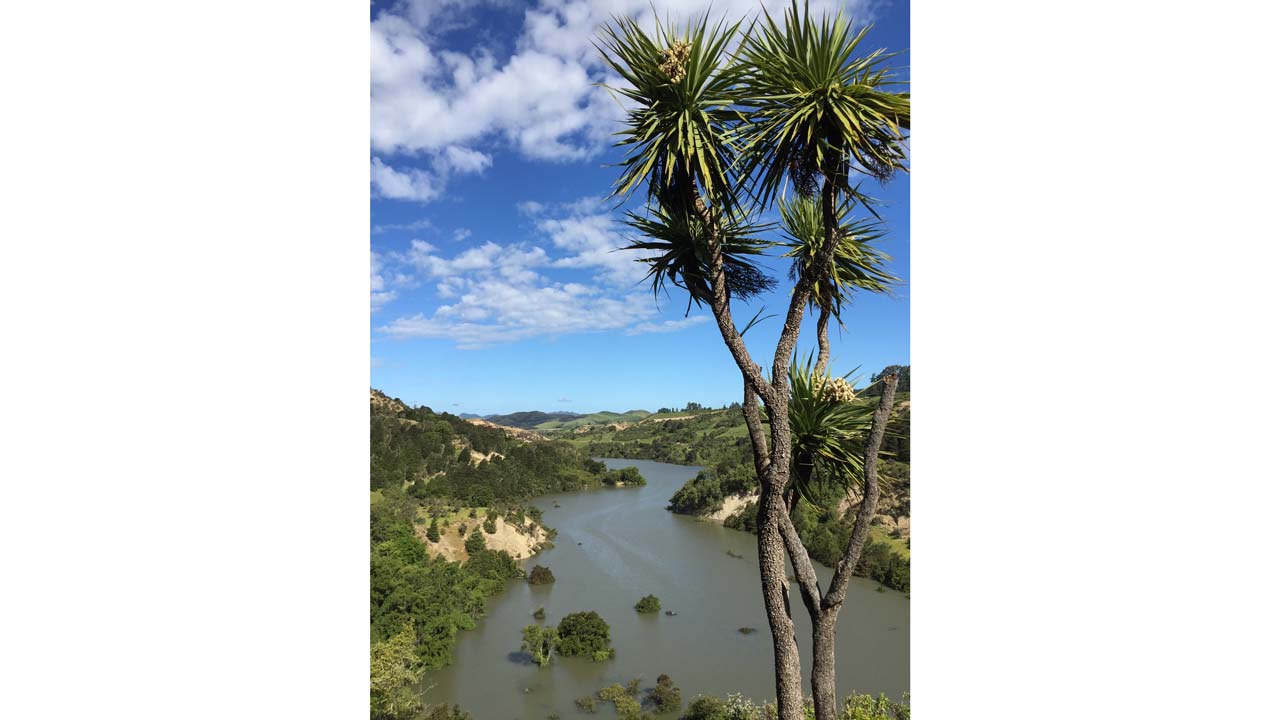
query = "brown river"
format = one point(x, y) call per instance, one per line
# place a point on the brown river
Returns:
point(617, 545)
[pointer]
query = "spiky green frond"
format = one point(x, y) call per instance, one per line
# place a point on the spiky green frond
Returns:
point(682, 91)
point(826, 432)
point(675, 249)
point(816, 108)
point(856, 263)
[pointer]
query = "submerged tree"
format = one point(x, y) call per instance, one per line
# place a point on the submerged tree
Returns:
point(712, 138)
point(539, 642)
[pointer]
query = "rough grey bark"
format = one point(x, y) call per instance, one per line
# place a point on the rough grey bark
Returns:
point(774, 464)
point(824, 609)
point(824, 341)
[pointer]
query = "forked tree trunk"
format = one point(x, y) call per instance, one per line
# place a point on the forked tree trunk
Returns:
point(823, 679)
point(771, 517)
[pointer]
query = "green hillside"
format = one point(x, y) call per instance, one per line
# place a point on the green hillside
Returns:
point(717, 440)
point(598, 418)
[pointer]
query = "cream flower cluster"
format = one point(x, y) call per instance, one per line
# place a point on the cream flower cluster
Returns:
point(674, 60)
point(836, 390)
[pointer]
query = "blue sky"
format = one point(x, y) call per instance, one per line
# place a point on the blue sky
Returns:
point(494, 288)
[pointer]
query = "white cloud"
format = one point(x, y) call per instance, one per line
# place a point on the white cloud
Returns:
point(493, 293)
point(667, 326)
point(412, 184)
point(543, 100)
point(460, 234)
point(462, 160)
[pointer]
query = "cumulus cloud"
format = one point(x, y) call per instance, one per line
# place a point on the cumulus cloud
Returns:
point(544, 100)
point(493, 293)
point(383, 281)
point(410, 184)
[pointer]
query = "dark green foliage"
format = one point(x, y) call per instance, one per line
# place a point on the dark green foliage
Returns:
point(541, 575)
point(530, 419)
point(880, 563)
point(432, 452)
point(665, 698)
point(494, 564)
point(705, 493)
point(623, 698)
point(583, 633)
point(490, 525)
point(627, 476)
point(475, 542)
point(433, 532)
point(648, 604)
point(436, 597)
point(709, 439)
point(706, 707)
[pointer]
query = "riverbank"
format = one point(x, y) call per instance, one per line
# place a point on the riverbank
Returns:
point(612, 548)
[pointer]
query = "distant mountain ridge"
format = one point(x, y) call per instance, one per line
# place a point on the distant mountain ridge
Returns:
point(543, 421)
point(529, 419)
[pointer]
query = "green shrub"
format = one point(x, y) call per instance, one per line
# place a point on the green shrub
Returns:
point(665, 698)
point(649, 604)
point(541, 575)
point(475, 542)
point(539, 642)
point(584, 633)
point(623, 699)
point(586, 703)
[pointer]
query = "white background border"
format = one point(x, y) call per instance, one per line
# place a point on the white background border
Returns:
point(184, 286)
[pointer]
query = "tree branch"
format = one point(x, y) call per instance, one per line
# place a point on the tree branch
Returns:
point(755, 429)
point(802, 565)
point(870, 497)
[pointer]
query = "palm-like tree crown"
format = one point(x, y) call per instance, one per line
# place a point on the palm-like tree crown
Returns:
point(826, 428)
point(681, 101)
point(675, 249)
point(816, 109)
point(855, 265)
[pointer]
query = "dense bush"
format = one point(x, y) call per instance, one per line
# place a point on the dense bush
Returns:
point(705, 493)
point(584, 633)
point(541, 575)
point(736, 707)
point(628, 476)
point(494, 564)
point(586, 703)
point(436, 597)
point(880, 563)
point(475, 542)
point(649, 604)
point(623, 699)
point(431, 454)
point(665, 698)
